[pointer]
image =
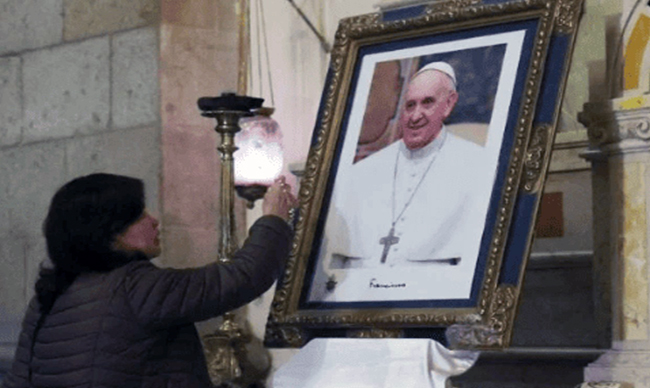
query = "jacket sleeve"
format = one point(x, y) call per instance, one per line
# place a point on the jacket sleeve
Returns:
point(164, 297)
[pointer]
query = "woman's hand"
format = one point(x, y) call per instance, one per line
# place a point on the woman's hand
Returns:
point(279, 200)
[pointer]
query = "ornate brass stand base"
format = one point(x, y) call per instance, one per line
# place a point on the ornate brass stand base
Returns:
point(224, 349)
point(227, 355)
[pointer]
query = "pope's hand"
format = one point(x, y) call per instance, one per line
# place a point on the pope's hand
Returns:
point(279, 200)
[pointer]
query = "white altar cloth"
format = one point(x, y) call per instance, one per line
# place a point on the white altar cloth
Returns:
point(372, 363)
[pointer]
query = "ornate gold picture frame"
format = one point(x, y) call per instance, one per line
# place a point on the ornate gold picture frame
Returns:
point(411, 232)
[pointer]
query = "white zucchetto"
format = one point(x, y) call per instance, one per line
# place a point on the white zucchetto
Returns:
point(443, 67)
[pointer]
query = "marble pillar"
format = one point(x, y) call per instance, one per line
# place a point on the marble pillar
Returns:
point(619, 134)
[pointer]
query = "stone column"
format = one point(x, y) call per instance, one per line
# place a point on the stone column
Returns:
point(198, 57)
point(619, 134)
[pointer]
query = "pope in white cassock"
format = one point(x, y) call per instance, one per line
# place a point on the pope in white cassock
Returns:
point(420, 201)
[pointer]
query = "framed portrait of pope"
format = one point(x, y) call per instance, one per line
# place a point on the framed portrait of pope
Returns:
point(424, 174)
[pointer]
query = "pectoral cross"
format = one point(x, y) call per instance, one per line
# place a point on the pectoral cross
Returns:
point(388, 241)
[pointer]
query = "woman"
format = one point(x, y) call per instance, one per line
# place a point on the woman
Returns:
point(104, 316)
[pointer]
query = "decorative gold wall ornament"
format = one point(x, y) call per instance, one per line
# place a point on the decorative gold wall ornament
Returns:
point(486, 322)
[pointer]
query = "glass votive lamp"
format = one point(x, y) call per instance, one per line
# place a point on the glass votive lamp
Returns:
point(259, 157)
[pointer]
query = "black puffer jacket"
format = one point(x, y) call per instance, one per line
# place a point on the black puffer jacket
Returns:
point(133, 326)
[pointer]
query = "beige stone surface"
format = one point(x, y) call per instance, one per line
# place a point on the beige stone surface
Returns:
point(30, 175)
point(11, 109)
point(632, 251)
point(587, 79)
point(198, 57)
point(210, 14)
point(66, 90)
point(297, 65)
point(194, 63)
point(134, 152)
point(5, 201)
point(134, 78)
point(12, 279)
point(85, 18)
point(191, 150)
point(29, 24)
point(622, 369)
point(191, 182)
point(568, 159)
point(185, 247)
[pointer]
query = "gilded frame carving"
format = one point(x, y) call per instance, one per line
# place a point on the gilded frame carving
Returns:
point(485, 318)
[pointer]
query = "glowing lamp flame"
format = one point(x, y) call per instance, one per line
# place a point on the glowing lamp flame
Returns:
point(259, 158)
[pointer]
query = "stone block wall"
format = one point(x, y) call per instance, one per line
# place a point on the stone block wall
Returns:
point(111, 85)
point(79, 93)
point(199, 54)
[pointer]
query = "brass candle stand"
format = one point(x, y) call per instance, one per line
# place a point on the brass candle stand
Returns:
point(225, 349)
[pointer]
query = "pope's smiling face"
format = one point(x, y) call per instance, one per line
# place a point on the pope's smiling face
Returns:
point(429, 100)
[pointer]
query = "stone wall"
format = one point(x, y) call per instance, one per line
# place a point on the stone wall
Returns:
point(198, 57)
point(79, 93)
point(111, 85)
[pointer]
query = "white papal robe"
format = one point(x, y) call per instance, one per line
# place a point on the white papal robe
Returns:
point(436, 196)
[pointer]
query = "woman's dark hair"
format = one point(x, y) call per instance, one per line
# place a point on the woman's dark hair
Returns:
point(84, 217)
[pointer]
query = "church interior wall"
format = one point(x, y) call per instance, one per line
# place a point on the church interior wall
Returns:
point(112, 86)
point(78, 94)
point(198, 57)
